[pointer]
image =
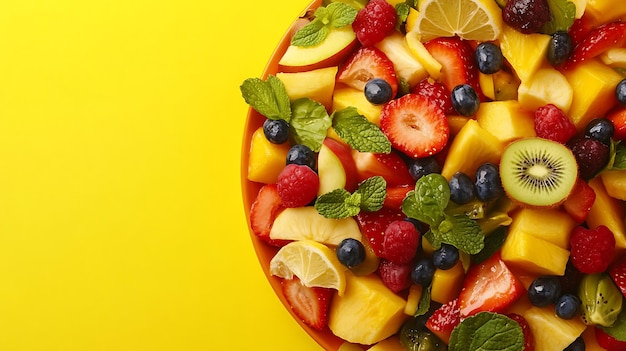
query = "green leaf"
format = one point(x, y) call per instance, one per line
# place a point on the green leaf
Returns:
point(309, 123)
point(373, 193)
point(429, 200)
point(618, 329)
point(402, 10)
point(460, 231)
point(310, 35)
point(493, 243)
point(338, 204)
point(619, 161)
point(358, 132)
point(487, 331)
point(562, 13)
point(269, 97)
point(341, 14)
point(335, 15)
point(423, 306)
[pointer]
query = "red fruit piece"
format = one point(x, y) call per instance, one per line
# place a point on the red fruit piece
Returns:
point(591, 155)
point(526, 16)
point(389, 166)
point(297, 185)
point(618, 117)
point(618, 274)
point(552, 123)
point(374, 22)
point(366, 64)
point(591, 250)
point(529, 338)
point(373, 225)
point(489, 287)
point(396, 195)
point(263, 211)
point(436, 92)
point(395, 276)
point(580, 201)
point(309, 304)
point(401, 241)
point(581, 28)
point(415, 125)
point(599, 40)
point(457, 60)
point(608, 342)
point(444, 320)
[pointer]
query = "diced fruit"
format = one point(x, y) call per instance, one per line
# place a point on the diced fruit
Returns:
point(365, 64)
point(552, 225)
point(373, 225)
point(319, 87)
point(618, 274)
point(552, 123)
point(579, 203)
point(534, 255)
point(407, 66)
point(489, 286)
point(615, 183)
point(415, 126)
point(436, 92)
point(529, 338)
point(335, 167)
point(297, 185)
point(505, 85)
point(389, 166)
point(546, 86)
point(609, 212)
point(305, 223)
point(599, 40)
point(266, 160)
point(447, 283)
point(487, 86)
point(419, 51)
point(601, 300)
point(413, 299)
point(371, 262)
point(551, 332)
point(608, 342)
point(373, 22)
point(263, 211)
point(525, 52)
point(615, 57)
point(506, 120)
point(618, 117)
point(526, 16)
point(395, 276)
point(444, 319)
point(457, 62)
point(345, 97)
point(396, 195)
point(367, 313)
point(309, 304)
point(603, 11)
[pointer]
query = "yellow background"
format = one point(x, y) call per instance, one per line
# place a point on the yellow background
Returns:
point(121, 223)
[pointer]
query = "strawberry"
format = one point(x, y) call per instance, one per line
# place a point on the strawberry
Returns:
point(373, 225)
point(599, 40)
point(529, 339)
point(415, 125)
point(395, 276)
point(395, 196)
point(436, 92)
point(489, 286)
point(364, 65)
point(579, 202)
point(373, 22)
point(389, 166)
point(618, 117)
point(618, 274)
point(592, 250)
point(310, 305)
point(457, 60)
point(444, 319)
point(263, 211)
point(608, 342)
point(581, 28)
point(297, 185)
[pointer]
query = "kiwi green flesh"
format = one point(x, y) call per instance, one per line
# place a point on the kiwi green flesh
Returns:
point(538, 172)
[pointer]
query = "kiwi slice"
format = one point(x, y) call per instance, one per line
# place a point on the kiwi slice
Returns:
point(601, 300)
point(538, 172)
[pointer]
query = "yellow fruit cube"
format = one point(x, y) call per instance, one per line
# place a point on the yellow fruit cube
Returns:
point(615, 183)
point(593, 85)
point(546, 86)
point(551, 332)
point(525, 52)
point(505, 85)
point(266, 159)
point(608, 211)
point(552, 225)
point(447, 284)
point(456, 123)
point(604, 11)
point(506, 120)
point(367, 312)
point(486, 85)
point(534, 255)
point(320, 84)
point(413, 299)
point(349, 97)
point(615, 57)
point(407, 66)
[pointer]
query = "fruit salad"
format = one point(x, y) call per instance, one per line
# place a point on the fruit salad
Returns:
point(445, 174)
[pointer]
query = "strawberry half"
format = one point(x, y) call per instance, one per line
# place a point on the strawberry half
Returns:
point(579, 203)
point(309, 304)
point(374, 224)
point(389, 166)
point(608, 342)
point(599, 40)
point(436, 92)
point(366, 64)
point(415, 125)
point(444, 320)
point(263, 211)
point(618, 117)
point(395, 196)
point(618, 274)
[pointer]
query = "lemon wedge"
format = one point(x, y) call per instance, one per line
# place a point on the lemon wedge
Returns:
point(315, 264)
point(469, 19)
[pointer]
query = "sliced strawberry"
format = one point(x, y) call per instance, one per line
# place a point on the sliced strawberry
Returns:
point(581, 28)
point(389, 166)
point(309, 304)
point(489, 287)
point(395, 276)
point(263, 211)
point(415, 125)
point(364, 65)
point(608, 342)
point(529, 338)
point(618, 117)
point(436, 92)
point(374, 224)
point(457, 61)
point(396, 195)
point(579, 203)
point(599, 40)
point(618, 274)
point(444, 319)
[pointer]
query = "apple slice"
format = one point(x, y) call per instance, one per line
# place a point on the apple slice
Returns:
point(320, 85)
point(389, 166)
point(336, 167)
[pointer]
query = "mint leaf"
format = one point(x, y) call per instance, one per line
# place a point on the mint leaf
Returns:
point(340, 14)
point(423, 306)
point(310, 35)
point(562, 14)
point(460, 231)
point(373, 193)
point(338, 204)
point(335, 15)
point(493, 243)
point(618, 329)
point(487, 331)
point(429, 199)
point(358, 132)
point(269, 97)
point(402, 10)
point(619, 158)
point(309, 123)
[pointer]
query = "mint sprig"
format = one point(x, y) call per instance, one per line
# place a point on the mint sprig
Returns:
point(423, 306)
point(309, 123)
point(358, 132)
point(460, 231)
point(335, 15)
point(617, 156)
point(340, 203)
point(268, 97)
point(563, 13)
point(487, 331)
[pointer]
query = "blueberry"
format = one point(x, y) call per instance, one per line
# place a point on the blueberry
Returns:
point(560, 48)
point(462, 188)
point(378, 91)
point(465, 100)
point(577, 345)
point(567, 306)
point(276, 130)
point(488, 184)
point(544, 291)
point(620, 92)
point(350, 252)
point(423, 272)
point(420, 167)
point(489, 58)
point(302, 155)
point(601, 129)
point(445, 257)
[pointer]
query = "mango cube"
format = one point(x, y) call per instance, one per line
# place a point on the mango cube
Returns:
point(615, 183)
point(552, 225)
point(447, 284)
point(604, 11)
point(534, 255)
point(266, 159)
point(550, 331)
point(546, 86)
point(608, 211)
point(349, 97)
point(525, 52)
point(320, 84)
point(413, 299)
point(506, 120)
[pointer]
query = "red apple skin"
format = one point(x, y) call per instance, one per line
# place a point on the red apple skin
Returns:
point(334, 60)
point(344, 154)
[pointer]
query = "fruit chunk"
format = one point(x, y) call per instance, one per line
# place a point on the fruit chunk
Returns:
point(601, 300)
point(297, 185)
point(367, 312)
point(609, 212)
point(263, 211)
point(407, 66)
point(365, 64)
point(320, 85)
point(444, 320)
point(506, 120)
point(266, 159)
point(526, 16)
point(447, 284)
point(546, 86)
point(335, 167)
point(525, 52)
point(551, 332)
point(419, 51)
point(552, 123)
point(598, 41)
point(592, 249)
point(457, 62)
point(389, 166)
point(533, 255)
point(579, 203)
point(345, 97)
point(603, 11)
point(552, 225)
point(615, 183)
point(305, 223)
point(608, 342)
point(310, 305)
point(373, 225)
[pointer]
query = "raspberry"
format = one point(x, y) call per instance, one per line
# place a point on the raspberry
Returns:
point(401, 241)
point(297, 185)
point(395, 276)
point(591, 155)
point(526, 16)
point(436, 92)
point(374, 22)
point(592, 249)
point(551, 123)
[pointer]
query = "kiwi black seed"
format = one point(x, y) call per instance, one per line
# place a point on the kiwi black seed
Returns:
point(538, 172)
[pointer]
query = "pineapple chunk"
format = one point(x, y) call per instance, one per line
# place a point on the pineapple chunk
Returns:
point(534, 255)
point(506, 120)
point(349, 97)
point(615, 183)
point(319, 87)
point(580, 7)
point(609, 212)
point(546, 86)
point(367, 312)
point(604, 11)
point(447, 284)
point(550, 331)
point(266, 159)
point(552, 225)
point(525, 52)
point(305, 223)
point(456, 123)
point(407, 66)
point(615, 57)
point(432, 66)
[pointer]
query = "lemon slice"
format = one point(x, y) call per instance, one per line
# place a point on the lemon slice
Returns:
point(315, 264)
point(469, 19)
